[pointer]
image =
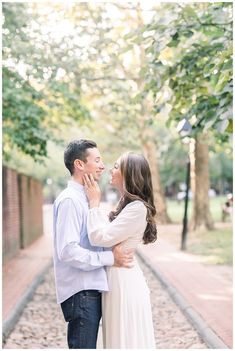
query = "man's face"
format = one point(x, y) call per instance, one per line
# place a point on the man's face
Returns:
point(93, 164)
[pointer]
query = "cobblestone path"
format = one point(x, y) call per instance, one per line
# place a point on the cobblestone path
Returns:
point(42, 326)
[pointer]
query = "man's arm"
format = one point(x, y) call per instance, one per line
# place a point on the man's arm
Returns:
point(68, 223)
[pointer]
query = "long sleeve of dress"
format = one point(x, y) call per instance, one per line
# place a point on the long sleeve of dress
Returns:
point(130, 222)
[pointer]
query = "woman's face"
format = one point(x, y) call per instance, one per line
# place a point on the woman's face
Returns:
point(117, 178)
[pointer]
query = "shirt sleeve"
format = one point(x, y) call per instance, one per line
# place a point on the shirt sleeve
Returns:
point(130, 222)
point(68, 227)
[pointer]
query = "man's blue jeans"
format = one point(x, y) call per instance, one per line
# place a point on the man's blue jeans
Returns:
point(82, 311)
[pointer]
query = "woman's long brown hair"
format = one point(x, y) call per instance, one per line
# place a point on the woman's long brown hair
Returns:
point(137, 186)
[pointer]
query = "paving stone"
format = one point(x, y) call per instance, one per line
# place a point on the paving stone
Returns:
point(42, 325)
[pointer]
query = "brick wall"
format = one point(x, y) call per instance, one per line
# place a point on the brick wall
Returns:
point(22, 212)
point(11, 217)
point(30, 200)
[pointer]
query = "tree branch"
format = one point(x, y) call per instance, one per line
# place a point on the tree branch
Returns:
point(215, 24)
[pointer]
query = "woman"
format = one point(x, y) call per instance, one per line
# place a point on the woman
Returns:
point(126, 309)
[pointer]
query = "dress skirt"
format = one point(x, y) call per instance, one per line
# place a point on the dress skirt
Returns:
point(126, 310)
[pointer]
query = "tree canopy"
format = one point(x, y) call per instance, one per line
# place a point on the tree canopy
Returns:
point(85, 69)
point(190, 49)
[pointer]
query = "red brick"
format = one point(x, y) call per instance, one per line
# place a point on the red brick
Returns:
point(22, 212)
point(11, 220)
point(30, 195)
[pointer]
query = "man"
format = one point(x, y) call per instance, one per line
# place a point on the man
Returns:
point(80, 275)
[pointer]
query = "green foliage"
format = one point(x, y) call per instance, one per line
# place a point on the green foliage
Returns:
point(221, 171)
point(173, 164)
point(39, 98)
point(22, 116)
point(191, 54)
point(92, 77)
point(22, 113)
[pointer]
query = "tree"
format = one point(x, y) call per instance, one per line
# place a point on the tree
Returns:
point(38, 99)
point(191, 51)
point(22, 114)
point(96, 70)
point(120, 87)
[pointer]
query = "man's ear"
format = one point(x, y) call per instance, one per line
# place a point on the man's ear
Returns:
point(78, 164)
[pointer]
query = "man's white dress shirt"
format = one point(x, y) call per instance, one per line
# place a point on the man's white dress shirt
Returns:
point(78, 265)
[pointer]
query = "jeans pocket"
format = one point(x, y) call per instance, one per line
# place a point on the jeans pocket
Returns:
point(92, 308)
point(68, 308)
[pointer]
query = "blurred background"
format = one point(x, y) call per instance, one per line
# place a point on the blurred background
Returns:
point(154, 78)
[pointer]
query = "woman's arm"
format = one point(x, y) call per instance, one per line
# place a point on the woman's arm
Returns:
point(130, 222)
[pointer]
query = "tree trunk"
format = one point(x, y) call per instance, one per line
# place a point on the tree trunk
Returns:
point(149, 149)
point(200, 186)
point(147, 137)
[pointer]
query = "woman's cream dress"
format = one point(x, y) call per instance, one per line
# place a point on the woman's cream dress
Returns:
point(126, 309)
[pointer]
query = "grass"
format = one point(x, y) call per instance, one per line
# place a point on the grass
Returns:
point(215, 246)
point(176, 209)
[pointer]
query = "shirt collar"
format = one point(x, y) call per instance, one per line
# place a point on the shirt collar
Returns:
point(76, 185)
